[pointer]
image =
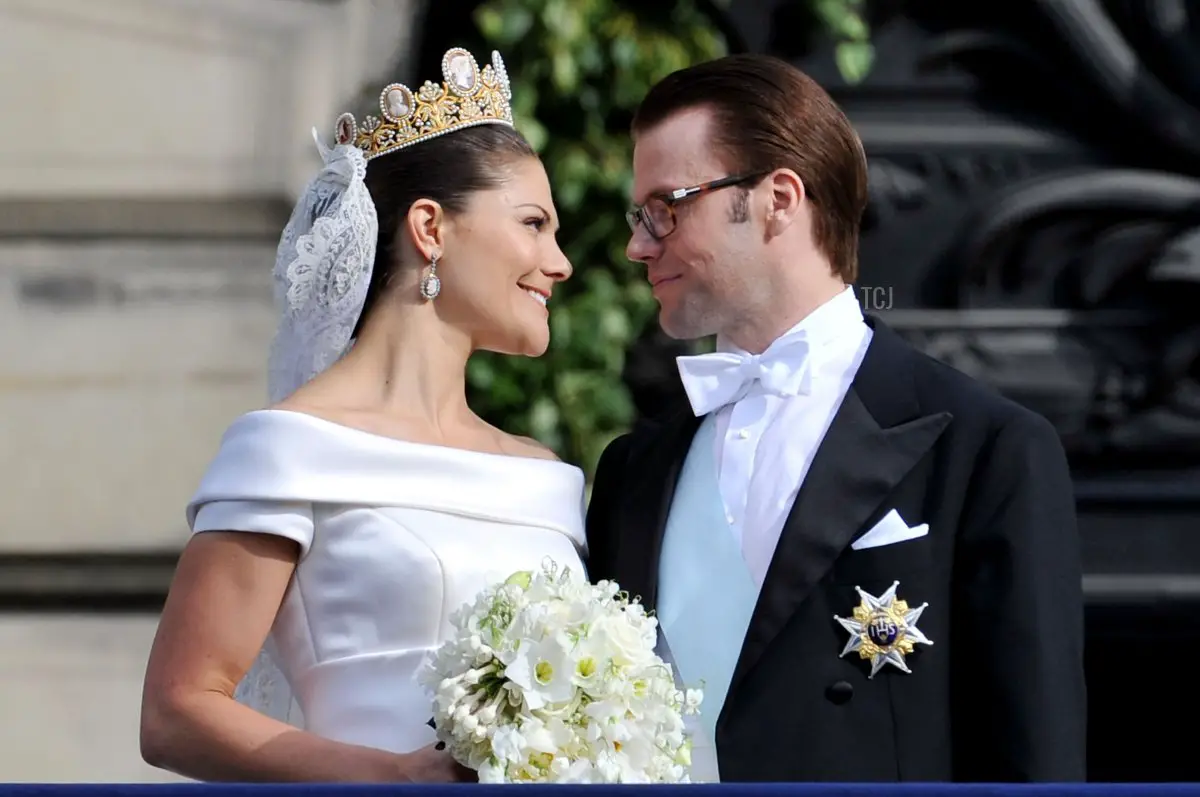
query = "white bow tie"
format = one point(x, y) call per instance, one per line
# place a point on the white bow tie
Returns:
point(714, 380)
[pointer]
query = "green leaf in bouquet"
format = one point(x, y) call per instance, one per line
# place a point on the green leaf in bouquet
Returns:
point(522, 579)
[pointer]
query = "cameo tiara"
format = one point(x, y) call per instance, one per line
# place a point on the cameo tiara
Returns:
point(468, 96)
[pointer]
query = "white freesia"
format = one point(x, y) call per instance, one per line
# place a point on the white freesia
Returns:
point(551, 679)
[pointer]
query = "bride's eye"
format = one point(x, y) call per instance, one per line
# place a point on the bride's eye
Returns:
point(537, 222)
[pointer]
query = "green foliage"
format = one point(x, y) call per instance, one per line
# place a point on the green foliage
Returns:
point(843, 18)
point(579, 69)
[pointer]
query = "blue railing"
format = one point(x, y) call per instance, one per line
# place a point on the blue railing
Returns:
point(724, 790)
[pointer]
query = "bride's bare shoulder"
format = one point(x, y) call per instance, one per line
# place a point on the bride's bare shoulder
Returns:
point(291, 404)
point(529, 447)
point(312, 398)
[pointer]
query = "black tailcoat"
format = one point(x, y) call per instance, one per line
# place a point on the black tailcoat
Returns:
point(1000, 694)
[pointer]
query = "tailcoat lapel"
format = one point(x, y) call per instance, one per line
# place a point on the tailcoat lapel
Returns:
point(877, 436)
point(651, 482)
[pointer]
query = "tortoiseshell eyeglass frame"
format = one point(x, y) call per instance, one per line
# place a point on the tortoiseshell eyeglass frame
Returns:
point(663, 205)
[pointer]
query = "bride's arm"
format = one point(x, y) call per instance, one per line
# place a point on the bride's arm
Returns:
point(226, 592)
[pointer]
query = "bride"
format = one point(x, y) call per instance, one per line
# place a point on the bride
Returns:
point(336, 530)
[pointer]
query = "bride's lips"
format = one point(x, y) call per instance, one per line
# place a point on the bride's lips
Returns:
point(538, 295)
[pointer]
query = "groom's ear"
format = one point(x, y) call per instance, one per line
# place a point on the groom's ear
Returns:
point(426, 223)
point(787, 193)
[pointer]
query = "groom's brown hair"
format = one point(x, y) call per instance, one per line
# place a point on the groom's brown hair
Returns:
point(769, 115)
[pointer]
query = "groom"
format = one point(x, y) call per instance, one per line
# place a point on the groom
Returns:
point(868, 560)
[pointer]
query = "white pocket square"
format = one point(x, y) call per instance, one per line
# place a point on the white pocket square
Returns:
point(890, 529)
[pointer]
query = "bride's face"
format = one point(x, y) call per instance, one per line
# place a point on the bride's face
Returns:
point(502, 263)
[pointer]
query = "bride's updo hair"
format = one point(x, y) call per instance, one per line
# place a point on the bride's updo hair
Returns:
point(447, 169)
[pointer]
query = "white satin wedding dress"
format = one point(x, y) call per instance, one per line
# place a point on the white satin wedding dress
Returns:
point(394, 537)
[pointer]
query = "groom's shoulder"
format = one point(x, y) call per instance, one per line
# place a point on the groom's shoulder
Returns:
point(941, 386)
point(647, 430)
point(643, 434)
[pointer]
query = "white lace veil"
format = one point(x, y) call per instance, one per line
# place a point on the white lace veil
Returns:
point(322, 272)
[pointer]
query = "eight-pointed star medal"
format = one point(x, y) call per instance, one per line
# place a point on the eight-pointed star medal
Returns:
point(883, 629)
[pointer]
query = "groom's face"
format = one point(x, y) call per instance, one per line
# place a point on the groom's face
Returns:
point(699, 271)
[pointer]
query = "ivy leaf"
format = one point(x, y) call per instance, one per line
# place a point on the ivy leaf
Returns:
point(534, 131)
point(503, 26)
point(854, 60)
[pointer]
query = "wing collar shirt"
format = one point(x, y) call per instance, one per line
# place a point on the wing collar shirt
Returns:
point(771, 413)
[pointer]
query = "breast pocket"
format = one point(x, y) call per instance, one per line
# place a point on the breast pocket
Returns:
point(879, 566)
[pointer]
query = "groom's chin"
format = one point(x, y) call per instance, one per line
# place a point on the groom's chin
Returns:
point(678, 325)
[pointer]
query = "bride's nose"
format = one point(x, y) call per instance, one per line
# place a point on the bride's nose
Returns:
point(559, 268)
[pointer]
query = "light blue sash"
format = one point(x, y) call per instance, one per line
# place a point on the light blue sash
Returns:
point(706, 594)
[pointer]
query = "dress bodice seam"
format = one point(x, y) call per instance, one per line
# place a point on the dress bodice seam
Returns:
point(441, 601)
point(297, 579)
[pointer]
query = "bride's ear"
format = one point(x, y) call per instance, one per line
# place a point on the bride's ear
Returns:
point(426, 225)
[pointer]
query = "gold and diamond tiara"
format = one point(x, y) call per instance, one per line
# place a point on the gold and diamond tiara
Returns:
point(469, 96)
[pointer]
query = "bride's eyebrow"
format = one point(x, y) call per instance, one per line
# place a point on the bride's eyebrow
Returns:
point(547, 215)
point(534, 205)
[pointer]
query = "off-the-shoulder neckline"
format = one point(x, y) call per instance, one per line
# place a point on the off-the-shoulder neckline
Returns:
point(432, 447)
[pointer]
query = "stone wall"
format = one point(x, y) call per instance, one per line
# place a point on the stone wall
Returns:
point(149, 157)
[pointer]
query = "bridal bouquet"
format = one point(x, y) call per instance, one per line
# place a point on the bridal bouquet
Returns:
point(552, 679)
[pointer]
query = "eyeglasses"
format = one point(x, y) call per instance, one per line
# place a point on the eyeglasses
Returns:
point(658, 214)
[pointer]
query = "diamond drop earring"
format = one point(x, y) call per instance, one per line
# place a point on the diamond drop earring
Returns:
point(431, 286)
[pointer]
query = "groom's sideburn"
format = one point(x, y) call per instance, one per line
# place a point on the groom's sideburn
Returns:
point(999, 696)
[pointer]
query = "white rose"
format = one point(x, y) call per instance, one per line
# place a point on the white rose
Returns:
point(623, 641)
